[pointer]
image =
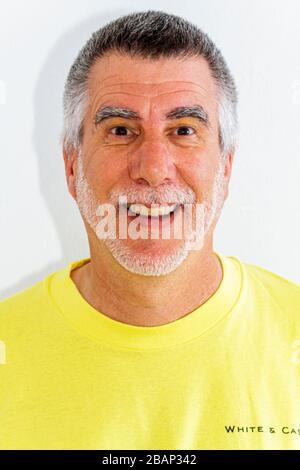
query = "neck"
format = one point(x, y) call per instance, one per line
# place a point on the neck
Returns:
point(148, 300)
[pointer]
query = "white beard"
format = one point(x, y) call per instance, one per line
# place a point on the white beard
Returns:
point(150, 264)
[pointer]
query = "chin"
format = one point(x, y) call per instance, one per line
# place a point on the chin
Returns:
point(148, 262)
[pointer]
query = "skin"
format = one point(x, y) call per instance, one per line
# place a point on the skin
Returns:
point(154, 156)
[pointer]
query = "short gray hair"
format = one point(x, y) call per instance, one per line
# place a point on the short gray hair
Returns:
point(151, 35)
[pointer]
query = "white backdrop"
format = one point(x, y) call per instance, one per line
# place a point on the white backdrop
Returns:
point(41, 229)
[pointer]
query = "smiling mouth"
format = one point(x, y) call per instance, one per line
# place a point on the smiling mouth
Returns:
point(154, 210)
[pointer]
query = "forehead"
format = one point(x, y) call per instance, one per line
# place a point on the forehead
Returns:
point(121, 80)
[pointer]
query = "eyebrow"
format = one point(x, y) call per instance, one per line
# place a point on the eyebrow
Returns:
point(196, 111)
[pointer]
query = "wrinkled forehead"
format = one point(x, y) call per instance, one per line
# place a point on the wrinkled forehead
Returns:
point(117, 79)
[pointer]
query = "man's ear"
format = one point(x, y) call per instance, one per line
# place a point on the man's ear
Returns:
point(70, 159)
point(228, 169)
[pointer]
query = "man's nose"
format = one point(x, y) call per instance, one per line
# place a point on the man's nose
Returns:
point(152, 163)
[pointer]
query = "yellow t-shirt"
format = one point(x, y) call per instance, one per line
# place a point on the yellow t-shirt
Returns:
point(225, 376)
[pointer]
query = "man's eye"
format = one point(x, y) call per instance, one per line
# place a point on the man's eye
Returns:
point(185, 130)
point(120, 130)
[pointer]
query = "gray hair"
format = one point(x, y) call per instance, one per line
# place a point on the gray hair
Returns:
point(151, 35)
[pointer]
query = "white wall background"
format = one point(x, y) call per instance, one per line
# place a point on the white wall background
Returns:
point(41, 229)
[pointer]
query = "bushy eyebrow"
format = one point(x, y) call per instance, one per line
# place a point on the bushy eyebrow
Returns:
point(111, 111)
point(196, 111)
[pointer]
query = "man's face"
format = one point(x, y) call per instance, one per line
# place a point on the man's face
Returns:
point(155, 154)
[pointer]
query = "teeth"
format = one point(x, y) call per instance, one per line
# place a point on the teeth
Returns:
point(140, 209)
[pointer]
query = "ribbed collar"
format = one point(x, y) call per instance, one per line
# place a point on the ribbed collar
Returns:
point(90, 322)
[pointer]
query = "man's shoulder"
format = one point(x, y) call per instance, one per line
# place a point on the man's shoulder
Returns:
point(26, 302)
point(37, 297)
point(273, 302)
point(276, 285)
point(21, 300)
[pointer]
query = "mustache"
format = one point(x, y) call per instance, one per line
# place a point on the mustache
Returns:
point(162, 195)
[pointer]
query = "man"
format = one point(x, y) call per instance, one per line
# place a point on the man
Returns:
point(152, 342)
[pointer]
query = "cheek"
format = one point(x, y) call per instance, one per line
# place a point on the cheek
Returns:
point(105, 173)
point(198, 174)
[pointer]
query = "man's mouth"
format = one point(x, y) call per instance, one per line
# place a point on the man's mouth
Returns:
point(151, 210)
